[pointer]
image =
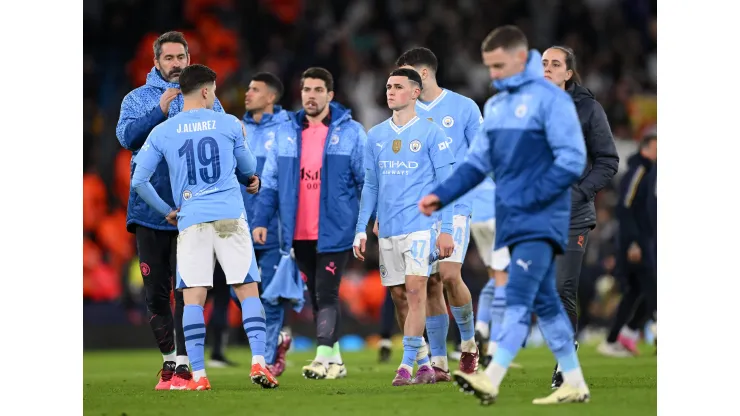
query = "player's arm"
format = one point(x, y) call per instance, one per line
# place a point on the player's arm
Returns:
point(469, 173)
point(369, 198)
point(602, 151)
point(268, 197)
point(473, 124)
point(357, 160)
point(368, 203)
point(135, 123)
point(246, 162)
point(565, 137)
point(146, 163)
point(630, 200)
point(443, 161)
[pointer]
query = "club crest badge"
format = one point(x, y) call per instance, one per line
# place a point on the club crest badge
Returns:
point(415, 146)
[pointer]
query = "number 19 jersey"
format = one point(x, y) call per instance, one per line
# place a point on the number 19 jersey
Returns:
point(198, 146)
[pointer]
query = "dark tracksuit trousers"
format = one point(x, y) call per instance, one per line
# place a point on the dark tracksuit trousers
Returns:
point(157, 251)
point(323, 274)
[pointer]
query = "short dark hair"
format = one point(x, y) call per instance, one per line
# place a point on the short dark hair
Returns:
point(506, 37)
point(169, 37)
point(412, 75)
point(645, 142)
point(570, 63)
point(418, 56)
point(195, 76)
point(319, 73)
point(272, 81)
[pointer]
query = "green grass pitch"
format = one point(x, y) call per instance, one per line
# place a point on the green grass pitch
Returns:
point(122, 383)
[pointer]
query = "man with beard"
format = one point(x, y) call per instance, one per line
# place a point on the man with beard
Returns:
point(313, 179)
point(156, 240)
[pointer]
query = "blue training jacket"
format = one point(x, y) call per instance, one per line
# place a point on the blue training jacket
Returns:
point(140, 113)
point(260, 138)
point(531, 140)
point(342, 177)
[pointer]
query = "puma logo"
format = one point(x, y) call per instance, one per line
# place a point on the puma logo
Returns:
point(524, 265)
point(380, 145)
point(331, 268)
point(290, 139)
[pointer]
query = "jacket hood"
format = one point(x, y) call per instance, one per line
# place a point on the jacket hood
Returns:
point(339, 114)
point(154, 79)
point(532, 71)
point(278, 116)
point(579, 92)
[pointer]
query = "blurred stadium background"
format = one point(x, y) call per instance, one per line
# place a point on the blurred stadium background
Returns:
point(358, 41)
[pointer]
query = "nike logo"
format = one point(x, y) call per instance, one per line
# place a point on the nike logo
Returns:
point(524, 265)
point(290, 139)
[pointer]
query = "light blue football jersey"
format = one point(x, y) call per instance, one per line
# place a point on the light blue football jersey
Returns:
point(406, 160)
point(199, 147)
point(460, 118)
point(484, 201)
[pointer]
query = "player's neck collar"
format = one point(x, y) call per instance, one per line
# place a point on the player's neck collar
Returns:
point(434, 102)
point(398, 129)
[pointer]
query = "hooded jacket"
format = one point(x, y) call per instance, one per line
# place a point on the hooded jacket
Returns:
point(261, 137)
point(602, 157)
point(140, 113)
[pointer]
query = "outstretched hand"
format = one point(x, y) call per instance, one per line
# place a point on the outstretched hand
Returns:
point(429, 204)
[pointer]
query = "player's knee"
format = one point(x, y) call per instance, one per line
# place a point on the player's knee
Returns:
point(158, 308)
point(159, 303)
point(548, 308)
point(520, 294)
point(327, 294)
point(450, 278)
point(435, 285)
point(501, 277)
point(398, 294)
point(565, 285)
point(195, 295)
point(246, 290)
point(415, 297)
point(517, 313)
point(568, 299)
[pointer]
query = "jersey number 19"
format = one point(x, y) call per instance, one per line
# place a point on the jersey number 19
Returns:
point(207, 155)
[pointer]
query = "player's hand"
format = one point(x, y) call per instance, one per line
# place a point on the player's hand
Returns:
point(166, 99)
point(446, 245)
point(429, 204)
point(375, 228)
point(259, 235)
point(172, 217)
point(254, 185)
point(634, 254)
point(358, 246)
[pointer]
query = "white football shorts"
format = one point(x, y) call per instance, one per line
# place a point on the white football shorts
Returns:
point(406, 255)
point(484, 234)
point(228, 241)
point(461, 238)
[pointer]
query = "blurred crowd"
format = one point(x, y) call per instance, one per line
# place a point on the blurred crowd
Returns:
point(358, 41)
